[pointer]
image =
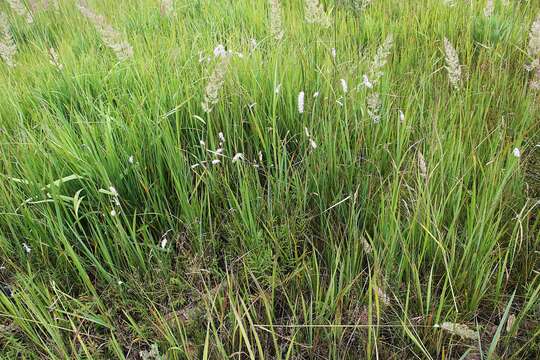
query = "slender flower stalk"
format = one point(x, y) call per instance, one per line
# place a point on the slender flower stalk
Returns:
point(452, 64)
point(315, 14)
point(276, 27)
point(111, 37)
point(8, 48)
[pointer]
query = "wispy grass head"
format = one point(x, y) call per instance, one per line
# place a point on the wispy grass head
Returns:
point(452, 64)
point(110, 36)
point(20, 8)
point(315, 14)
point(8, 48)
point(276, 23)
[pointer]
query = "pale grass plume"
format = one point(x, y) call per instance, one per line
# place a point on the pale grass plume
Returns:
point(490, 7)
point(55, 60)
point(315, 14)
point(41, 5)
point(20, 8)
point(276, 23)
point(452, 64)
point(110, 36)
point(361, 5)
point(36, 5)
point(510, 322)
point(379, 61)
point(535, 81)
point(366, 245)
point(374, 107)
point(344, 86)
point(422, 166)
point(8, 48)
point(215, 83)
point(533, 51)
point(461, 330)
point(55, 4)
point(533, 48)
point(167, 8)
point(382, 295)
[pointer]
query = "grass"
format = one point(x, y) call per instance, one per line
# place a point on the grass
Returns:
point(359, 247)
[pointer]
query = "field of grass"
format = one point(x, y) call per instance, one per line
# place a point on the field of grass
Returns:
point(265, 179)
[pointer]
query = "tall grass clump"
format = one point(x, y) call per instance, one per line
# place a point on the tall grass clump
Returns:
point(264, 179)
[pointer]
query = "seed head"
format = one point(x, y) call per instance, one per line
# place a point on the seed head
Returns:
point(8, 48)
point(452, 64)
point(301, 97)
point(315, 14)
point(276, 27)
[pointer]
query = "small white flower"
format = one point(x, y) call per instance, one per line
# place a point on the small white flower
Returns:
point(202, 57)
point(316, 94)
point(252, 45)
point(203, 144)
point(164, 243)
point(216, 161)
point(401, 116)
point(27, 248)
point(301, 102)
point(131, 159)
point(219, 151)
point(277, 89)
point(119, 282)
point(344, 86)
point(220, 51)
point(202, 163)
point(113, 213)
point(312, 142)
point(221, 137)
point(112, 189)
point(334, 53)
point(238, 157)
point(517, 152)
point(366, 82)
